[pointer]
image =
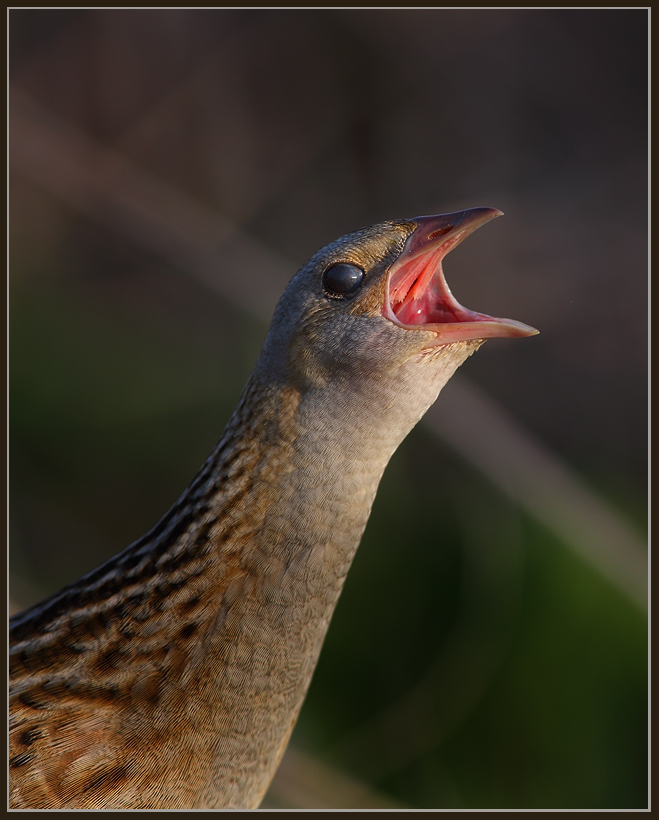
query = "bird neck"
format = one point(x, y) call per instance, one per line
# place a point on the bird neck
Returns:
point(276, 515)
point(305, 458)
point(210, 626)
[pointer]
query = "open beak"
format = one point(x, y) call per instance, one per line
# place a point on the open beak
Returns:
point(418, 297)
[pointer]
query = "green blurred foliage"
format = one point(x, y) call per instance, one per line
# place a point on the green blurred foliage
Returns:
point(551, 690)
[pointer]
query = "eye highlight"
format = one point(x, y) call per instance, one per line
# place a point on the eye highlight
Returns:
point(342, 279)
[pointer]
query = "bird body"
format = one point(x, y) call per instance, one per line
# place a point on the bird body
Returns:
point(172, 675)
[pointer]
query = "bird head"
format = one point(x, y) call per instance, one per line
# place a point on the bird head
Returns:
point(376, 300)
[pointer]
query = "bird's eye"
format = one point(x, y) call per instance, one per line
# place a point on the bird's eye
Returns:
point(342, 278)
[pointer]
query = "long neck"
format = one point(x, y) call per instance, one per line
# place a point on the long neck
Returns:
point(239, 581)
point(315, 461)
point(284, 501)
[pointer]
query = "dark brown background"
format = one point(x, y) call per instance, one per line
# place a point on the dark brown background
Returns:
point(474, 660)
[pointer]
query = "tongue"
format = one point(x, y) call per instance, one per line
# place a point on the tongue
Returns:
point(419, 294)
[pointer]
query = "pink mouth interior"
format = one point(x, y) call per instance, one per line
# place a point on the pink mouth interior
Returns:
point(419, 295)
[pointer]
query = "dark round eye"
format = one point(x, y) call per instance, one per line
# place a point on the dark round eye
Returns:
point(342, 278)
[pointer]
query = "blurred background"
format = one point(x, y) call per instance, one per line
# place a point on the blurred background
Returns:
point(171, 169)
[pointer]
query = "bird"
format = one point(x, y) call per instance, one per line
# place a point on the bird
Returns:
point(172, 675)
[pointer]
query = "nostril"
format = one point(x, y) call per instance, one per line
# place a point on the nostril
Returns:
point(440, 232)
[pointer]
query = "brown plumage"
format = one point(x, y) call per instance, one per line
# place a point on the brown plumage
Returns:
point(172, 675)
